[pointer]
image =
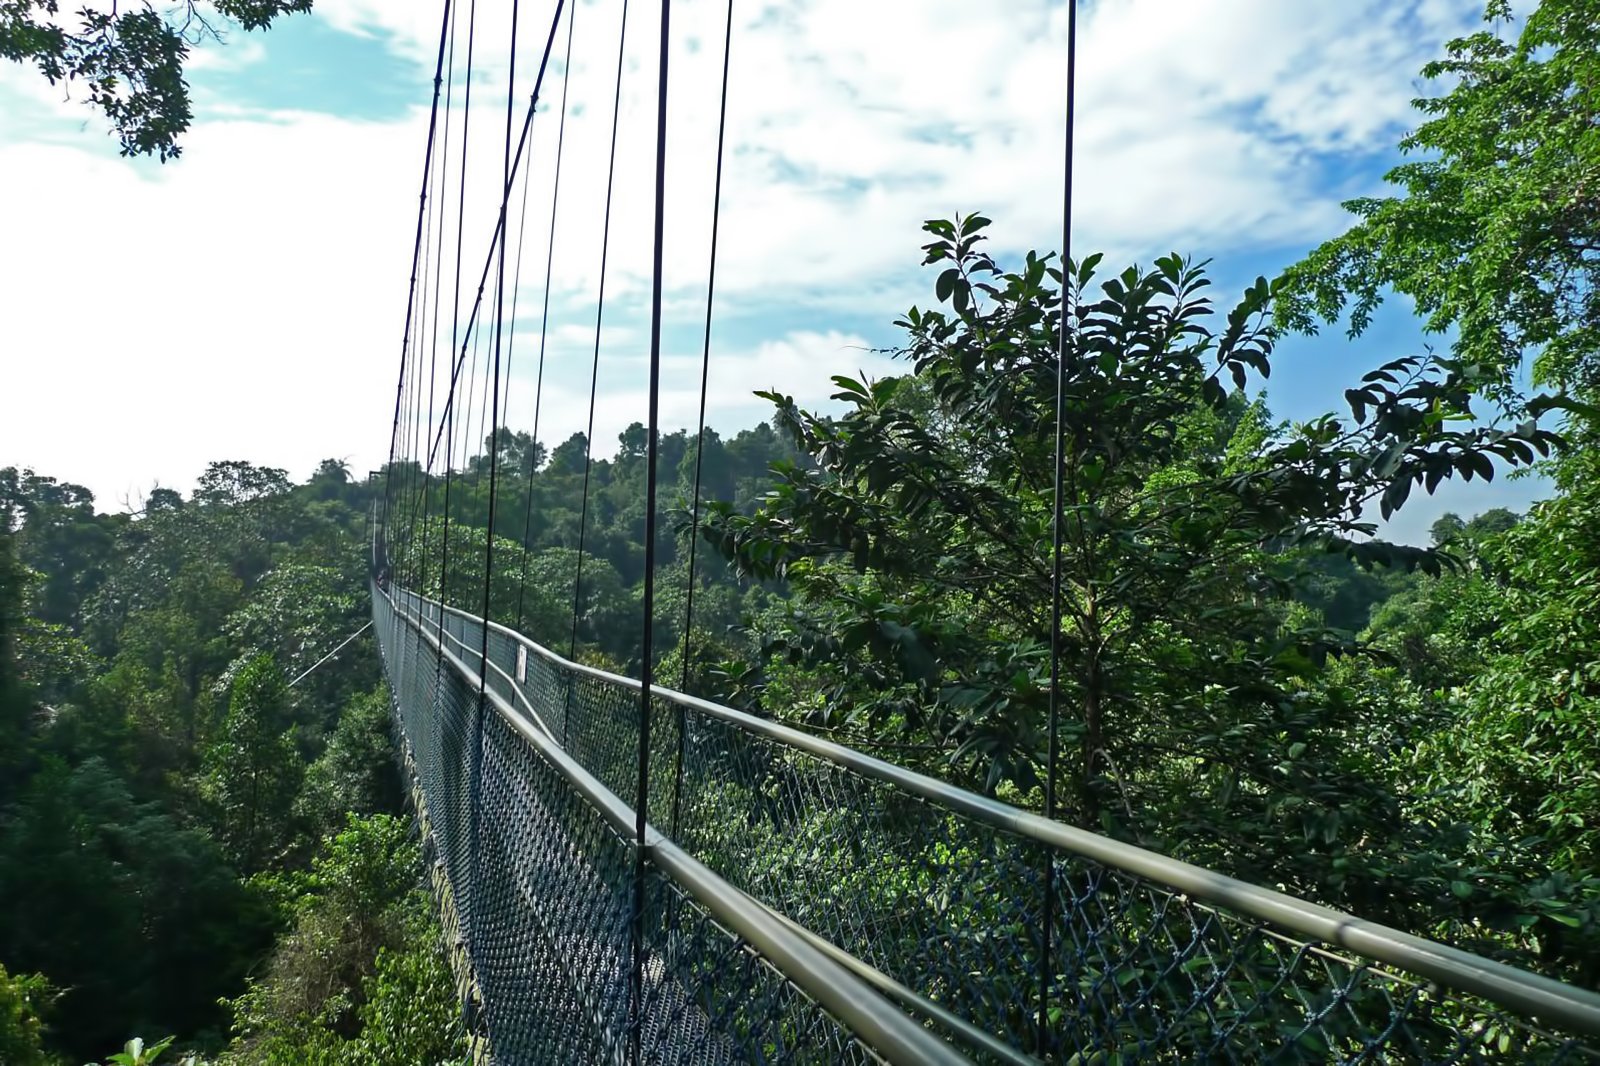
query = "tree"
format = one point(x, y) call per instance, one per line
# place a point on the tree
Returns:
point(568, 455)
point(335, 470)
point(114, 755)
point(1446, 528)
point(252, 771)
point(163, 499)
point(1491, 666)
point(62, 539)
point(330, 481)
point(130, 61)
point(1494, 520)
point(1449, 528)
point(360, 978)
point(519, 455)
point(1526, 742)
point(356, 773)
point(15, 703)
point(1497, 233)
point(23, 998)
point(918, 551)
point(141, 922)
point(237, 482)
point(300, 612)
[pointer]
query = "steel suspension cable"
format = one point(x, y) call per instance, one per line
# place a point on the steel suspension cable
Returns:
point(599, 317)
point(417, 548)
point(700, 433)
point(516, 291)
point(475, 771)
point(432, 266)
point(469, 443)
point(502, 417)
point(412, 429)
point(448, 416)
point(499, 231)
point(516, 285)
point(415, 392)
point(421, 551)
point(544, 318)
point(427, 165)
point(1058, 521)
point(499, 324)
point(646, 666)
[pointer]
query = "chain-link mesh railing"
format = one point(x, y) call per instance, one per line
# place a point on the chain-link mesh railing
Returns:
point(952, 906)
point(543, 881)
point(944, 892)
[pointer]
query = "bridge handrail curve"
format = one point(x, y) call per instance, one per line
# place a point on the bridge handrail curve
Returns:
point(837, 988)
point(1504, 985)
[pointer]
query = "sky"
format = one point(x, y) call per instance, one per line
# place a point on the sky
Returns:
point(248, 300)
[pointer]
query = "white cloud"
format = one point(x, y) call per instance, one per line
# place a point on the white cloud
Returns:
point(241, 304)
point(236, 52)
point(798, 364)
point(247, 301)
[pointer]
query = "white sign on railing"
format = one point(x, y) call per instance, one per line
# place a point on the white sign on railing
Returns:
point(522, 665)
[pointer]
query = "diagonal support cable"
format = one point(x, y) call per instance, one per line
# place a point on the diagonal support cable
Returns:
point(499, 229)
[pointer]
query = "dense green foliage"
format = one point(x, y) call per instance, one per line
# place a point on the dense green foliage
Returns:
point(1248, 678)
point(21, 1029)
point(359, 977)
point(173, 817)
point(1494, 233)
point(1226, 686)
point(568, 570)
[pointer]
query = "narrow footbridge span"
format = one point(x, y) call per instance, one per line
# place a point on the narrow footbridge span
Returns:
point(634, 875)
point(792, 900)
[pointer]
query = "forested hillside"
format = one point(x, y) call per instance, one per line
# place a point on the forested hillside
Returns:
point(202, 830)
point(189, 846)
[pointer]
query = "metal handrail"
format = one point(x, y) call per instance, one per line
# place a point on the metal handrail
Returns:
point(1507, 986)
point(816, 973)
point(533, 712)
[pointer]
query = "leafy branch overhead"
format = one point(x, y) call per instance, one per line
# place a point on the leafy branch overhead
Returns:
point(129, 59)
point(1493, 230)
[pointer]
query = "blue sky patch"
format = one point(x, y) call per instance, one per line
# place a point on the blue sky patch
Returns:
point(310, 66)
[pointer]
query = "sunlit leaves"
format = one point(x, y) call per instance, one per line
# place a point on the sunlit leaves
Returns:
point(1492, 233)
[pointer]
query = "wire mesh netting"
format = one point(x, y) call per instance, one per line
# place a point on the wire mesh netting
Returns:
point(952, 907)
point(544, 886)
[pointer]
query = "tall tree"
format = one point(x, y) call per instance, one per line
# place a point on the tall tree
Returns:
point(141, 922)
point(252, 770)
point(1496, 233)
point(14, 703)
point(918, 543)
point(360, 977)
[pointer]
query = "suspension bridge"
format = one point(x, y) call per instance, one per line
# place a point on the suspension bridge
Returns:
point(634, 874)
